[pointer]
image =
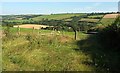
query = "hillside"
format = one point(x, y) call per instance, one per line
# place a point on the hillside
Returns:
point(38, 52)
point(57, 16)
point(110, 16)
point(108, 19)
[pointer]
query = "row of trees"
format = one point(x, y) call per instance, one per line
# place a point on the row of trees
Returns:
point(102, 13)
point(11, 22)
point(15, 17)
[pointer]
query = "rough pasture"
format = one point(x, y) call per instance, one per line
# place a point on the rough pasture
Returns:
point(33, 52)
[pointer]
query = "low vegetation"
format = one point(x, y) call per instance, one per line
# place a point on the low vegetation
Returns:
point(104, 47)
point(48, 52)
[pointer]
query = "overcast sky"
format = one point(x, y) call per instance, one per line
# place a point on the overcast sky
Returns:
point(57, 7)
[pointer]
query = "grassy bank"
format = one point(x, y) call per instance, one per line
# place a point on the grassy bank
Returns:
point(44, 52)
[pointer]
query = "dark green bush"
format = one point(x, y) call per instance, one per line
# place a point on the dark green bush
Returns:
point(109, 37)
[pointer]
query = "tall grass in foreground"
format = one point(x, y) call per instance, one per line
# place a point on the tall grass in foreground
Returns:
point(33, 52)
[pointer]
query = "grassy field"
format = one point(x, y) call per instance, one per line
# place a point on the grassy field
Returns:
point(47, 50)
point(57, 16)
point(93, 16)
point(35, 26)
point(89, 20)
point(43, 52)
point(110, 15)
point(107, 21)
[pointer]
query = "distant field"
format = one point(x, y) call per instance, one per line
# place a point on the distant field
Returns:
point(85, 19)
point(92, 16)
point(110, 16)
point(107, 21)
point(35, 26)
point(57, 16)
point(89, 20)
point(18, 21)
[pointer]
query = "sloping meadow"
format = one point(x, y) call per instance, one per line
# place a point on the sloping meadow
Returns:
point(33, 52)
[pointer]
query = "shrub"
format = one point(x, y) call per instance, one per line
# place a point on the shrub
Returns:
point(109, 37)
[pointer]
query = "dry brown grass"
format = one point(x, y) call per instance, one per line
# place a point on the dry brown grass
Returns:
point(35, 26)
point(110, 15)
point(65, 39)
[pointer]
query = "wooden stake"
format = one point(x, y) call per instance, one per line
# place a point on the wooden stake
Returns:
point(33, 30)
point(18, 30)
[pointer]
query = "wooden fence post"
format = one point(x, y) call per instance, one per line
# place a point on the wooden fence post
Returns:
point(33, 30)
point(39, 30)
point(18, 30)
point(53, 28)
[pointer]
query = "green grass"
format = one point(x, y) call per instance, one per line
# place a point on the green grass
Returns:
point(28, 30)
point(57, 16)
point(44, 52)
point(92, 16)
point(107, 21)
point(18, 21)
point(89, 20)
point(36, 31)
point(53, 52)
